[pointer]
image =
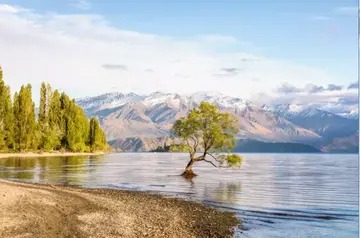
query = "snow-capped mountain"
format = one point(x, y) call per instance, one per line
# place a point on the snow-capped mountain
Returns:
point(152, 116)
point(220, 100)
point(113, 100)
point(326, 124)
point(108, 100)
point(353, 114)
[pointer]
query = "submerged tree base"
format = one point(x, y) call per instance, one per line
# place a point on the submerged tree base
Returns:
point(188, 174)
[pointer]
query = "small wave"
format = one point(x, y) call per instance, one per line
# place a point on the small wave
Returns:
point(285, 213)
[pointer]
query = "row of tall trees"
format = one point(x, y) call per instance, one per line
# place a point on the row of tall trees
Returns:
point(59, 125)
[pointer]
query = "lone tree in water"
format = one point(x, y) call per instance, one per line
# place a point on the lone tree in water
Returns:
point(207, 131)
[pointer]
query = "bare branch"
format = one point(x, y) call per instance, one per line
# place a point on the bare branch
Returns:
point(192, 137)
point(211, 144)
point(195, 143)
point(201, 157)
point(217, 160)
point(208, 161)
point(188, 144)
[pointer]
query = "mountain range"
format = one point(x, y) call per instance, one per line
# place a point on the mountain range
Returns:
point(136, 122)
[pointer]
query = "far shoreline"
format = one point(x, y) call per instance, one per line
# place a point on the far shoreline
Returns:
point(47, 154)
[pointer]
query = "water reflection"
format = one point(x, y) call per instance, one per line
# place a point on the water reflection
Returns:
point(22, 168)
point(228, 192)
point(65, 170)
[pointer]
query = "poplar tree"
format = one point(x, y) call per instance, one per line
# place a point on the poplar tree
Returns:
point(6, 116)
point(61, 123)
point(55, 119)
point(24, 117)
point(97, 138)
point(46, 136)
point(74, 125)
point(43, 104)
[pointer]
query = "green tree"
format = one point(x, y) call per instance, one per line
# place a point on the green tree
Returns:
point(55, 120)
point(6, 117)
point(208, 131)
point(24, 117)
point(61, 123)
point(45, 96)
point(74, 125)
point(78, 129)
point(46, 135)
point(97, 138)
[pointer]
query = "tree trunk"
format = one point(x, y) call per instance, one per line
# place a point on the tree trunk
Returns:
point(188, 173)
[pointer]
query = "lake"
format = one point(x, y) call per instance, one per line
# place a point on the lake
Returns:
point(274, 195)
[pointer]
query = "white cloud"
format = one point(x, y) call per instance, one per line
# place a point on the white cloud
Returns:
point(4, 8)
point(70, 51)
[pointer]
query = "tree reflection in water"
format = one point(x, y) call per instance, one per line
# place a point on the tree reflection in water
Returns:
point(67, 170)
point(229, 192)
point(17, 168)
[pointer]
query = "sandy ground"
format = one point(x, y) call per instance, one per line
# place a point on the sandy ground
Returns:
point(45, 154)
point(28, 210)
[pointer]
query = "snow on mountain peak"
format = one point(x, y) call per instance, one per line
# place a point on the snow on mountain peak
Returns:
point(174, 100)
point(158, 97)
point(220, 99)
point(296, 110)
point(108, 100)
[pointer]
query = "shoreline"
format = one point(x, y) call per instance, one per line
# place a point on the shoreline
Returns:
point(40, 210)
point(47, 154)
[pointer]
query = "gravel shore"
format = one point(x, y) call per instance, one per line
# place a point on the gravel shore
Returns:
point(32, 210)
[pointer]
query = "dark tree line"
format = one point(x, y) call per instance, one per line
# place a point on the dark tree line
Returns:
point(59, 125)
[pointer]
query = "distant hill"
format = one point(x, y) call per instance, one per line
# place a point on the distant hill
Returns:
point(348, 144)
point(139, 144)
point(275, 147)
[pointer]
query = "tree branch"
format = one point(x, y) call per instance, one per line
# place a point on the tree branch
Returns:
point(188, 144)
point(217, 160)
point(208, 161)
point(201, 157)
point(195, 143)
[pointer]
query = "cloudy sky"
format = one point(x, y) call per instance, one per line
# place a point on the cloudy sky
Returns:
point(266, 51)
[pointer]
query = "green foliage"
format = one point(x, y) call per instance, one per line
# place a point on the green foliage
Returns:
point(75, 126)
point(43, 108)
point(165, 148)
point(47, 136)
point(206, 130)
point(97, 138)
point(6, 117)
point(179, 148)
point(24, 115)
point(61, 124)
point(231, 159)
point(55, 120)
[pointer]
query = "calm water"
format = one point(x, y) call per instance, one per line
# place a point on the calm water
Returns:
point(274, 195)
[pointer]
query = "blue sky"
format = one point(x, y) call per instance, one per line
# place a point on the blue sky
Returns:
point(298, 42)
